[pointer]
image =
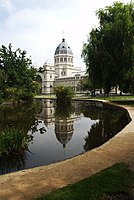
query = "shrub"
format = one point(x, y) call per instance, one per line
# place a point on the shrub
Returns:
point(13, 141)
point(64, 94)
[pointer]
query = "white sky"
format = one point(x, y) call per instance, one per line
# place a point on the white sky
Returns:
point(37, 25)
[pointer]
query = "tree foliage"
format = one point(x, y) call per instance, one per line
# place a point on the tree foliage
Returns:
point(85, 84)
point(16, 73)
point(64, 95)
point(109, 50)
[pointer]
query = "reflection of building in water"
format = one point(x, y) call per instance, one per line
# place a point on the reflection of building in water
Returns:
point(64, 130)
point(63, 126)
point(47, 113)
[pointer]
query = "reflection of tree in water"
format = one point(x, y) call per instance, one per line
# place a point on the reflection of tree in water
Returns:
point(95, 136)
point(64, 110)
point(34, 127)
point(18, 117)
point(12, 162)
point(112, 121)
point(91, 111)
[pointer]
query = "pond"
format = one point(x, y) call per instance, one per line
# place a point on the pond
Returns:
point(59, 133)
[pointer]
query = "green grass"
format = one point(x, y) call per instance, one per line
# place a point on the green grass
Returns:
point(117, 98)
point(52, 96)
point(113, 180)
point(124, 100)
point(114, 97)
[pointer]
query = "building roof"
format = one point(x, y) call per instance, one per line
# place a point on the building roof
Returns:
point(73, 75)
point(63, 48)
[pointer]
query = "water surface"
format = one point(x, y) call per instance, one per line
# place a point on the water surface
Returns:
point(59, 133)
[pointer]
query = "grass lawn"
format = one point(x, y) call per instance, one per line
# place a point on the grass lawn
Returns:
point(117, 98)
point(115, 180)
point(124, 100)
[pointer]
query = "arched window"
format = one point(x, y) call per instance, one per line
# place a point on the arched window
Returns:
point(51, 89)
point(38, 78)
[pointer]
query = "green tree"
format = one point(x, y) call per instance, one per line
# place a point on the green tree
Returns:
point(64, 95)
point(85, 84)
point(3, 80)
point(41, 69)
point(109, 50)
point(19, 73)
point(127, 84)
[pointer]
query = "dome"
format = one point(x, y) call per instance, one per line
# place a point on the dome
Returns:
point(64, 137)
point(63, 48)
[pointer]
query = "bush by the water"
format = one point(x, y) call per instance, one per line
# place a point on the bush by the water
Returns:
point(13, 141)
point(64, 94)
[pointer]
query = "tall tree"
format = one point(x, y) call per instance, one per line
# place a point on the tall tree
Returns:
point(18, 71)
point(109, 50)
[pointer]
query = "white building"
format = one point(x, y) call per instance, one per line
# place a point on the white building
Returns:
point(63, 72)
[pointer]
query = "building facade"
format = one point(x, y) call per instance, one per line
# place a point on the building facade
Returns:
point(62, 72)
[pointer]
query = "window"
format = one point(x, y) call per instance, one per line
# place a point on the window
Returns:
point(50, 75)
point(65, 59)
point(61, 59)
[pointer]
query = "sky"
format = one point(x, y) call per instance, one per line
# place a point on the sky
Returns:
point(38, 26)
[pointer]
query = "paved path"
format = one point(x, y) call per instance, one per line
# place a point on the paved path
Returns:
point(26, 184)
